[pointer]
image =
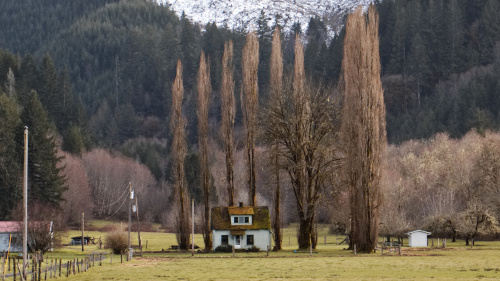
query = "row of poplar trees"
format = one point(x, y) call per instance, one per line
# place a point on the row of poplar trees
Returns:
point(310, 133)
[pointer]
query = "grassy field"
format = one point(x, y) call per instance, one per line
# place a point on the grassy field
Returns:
point(328, 262)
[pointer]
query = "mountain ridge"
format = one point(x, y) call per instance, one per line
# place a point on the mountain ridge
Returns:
point(243, 14)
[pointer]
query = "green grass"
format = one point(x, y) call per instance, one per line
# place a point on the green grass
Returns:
point(329, 262)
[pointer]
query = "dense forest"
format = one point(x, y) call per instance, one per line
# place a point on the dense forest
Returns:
point(97, 75)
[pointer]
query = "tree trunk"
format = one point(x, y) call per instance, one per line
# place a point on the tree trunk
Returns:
point(305, 234)
point(277, 215)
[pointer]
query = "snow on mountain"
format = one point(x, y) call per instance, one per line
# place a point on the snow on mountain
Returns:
point(243, 14)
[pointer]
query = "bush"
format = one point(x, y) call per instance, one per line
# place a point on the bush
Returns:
point(337, 228)
point(224, 249)
point(254, 249)
point(117, 242)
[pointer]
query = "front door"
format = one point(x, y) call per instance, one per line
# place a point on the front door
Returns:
point(237, 242)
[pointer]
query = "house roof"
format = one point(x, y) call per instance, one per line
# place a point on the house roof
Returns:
point(221, 218)
point(240, 210)
point(16, 226)
point(418, 231)
point(9, 226)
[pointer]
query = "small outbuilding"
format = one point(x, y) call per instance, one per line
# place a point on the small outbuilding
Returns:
point(244, 227)
point(9, 230)
point(418, 238)
point(77, 240)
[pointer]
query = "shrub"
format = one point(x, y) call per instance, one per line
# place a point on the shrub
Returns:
point(337, 228)
point(224, 249)
point(253, 249)
point(117, 242)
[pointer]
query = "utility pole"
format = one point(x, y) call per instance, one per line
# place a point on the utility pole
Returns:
point(131, 196)
point(192, 220)
point(138, 223)
point(83, 228)
point(25, 203)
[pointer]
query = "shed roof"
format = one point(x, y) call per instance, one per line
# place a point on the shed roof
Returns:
point(16, 226)
point(221, 218)
point(9, 226)
point(418, 231)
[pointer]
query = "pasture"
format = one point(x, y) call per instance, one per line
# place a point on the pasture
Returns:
point(328, 262)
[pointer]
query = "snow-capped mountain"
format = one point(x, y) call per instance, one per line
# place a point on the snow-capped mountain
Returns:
point(243, 14)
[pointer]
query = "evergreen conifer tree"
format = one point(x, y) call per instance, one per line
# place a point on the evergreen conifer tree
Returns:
point(9, 164)
point(46, 182)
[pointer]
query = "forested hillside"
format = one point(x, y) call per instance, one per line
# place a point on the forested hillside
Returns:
point(103, 72)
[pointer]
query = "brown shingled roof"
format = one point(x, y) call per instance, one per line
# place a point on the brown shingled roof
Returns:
point(221, 219)
point(240, 210)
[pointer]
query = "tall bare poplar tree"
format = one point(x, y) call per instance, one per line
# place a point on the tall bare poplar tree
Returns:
point(228, 112)
point(179, 149)
point(300, 121)
point(276, 86)
point(363, 125)
point(249, 103)
point(204, 89)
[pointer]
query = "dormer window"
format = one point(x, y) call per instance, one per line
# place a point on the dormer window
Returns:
point(241, 220)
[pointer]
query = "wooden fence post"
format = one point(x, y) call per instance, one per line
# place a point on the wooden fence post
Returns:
point(14, 268)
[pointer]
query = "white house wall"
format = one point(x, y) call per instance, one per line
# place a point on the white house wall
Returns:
point(261, 238)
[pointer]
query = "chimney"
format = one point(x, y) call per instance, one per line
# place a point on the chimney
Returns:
point(241, 205)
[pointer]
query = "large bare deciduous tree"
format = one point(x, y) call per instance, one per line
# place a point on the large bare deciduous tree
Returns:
point(363, 125)
point(228, 112)
point(204, 89)
point(249, 103)
point(179, 149)
point(301, 121)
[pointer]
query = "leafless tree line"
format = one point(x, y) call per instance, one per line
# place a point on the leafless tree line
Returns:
point(446, 186)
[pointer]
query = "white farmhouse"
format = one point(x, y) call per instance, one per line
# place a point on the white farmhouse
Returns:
point(418, 238)
point(243, 226)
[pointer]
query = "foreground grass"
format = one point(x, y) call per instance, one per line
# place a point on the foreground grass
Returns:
point(328, 262)
point(458, 263)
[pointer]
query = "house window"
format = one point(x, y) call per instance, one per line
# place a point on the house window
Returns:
point(224, 240)
point(250, 240)
point(241, 220)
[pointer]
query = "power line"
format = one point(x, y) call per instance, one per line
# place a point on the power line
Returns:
point(124, 192)
point(117, 209)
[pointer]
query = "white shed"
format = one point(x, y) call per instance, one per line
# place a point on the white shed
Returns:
point(418, 238)
point(9, 231)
